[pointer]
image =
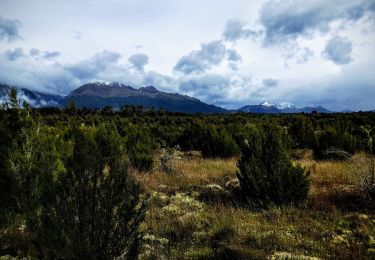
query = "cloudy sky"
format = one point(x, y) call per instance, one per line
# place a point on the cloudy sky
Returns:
point(228, 53)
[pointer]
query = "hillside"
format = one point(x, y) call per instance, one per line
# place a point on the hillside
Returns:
point(97, 95)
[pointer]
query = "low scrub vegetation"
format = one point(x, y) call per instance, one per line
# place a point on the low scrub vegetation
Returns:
point(137, 184)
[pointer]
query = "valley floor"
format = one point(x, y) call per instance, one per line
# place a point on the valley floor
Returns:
point(193, 214)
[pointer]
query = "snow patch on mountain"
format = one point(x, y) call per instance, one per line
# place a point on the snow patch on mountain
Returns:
point(282, 105)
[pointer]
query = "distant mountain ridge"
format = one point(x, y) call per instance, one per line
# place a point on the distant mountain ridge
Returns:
point(98, 94)
point(101, 94)
point(270, 108)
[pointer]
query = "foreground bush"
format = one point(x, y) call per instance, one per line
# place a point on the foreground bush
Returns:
point(16, 126)
point(266, 174)
point(88, 206)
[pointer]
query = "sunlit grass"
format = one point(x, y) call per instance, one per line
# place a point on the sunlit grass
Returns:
point(188, 173)
point(180, 225)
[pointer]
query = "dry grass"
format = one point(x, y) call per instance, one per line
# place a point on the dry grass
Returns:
point(180, 225)
point(336, 184)
point(189, 173)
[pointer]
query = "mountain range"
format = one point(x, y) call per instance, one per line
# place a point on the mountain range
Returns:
point(101, 94)
point(270, 108)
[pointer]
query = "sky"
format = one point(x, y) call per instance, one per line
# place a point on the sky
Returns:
point(227, 53)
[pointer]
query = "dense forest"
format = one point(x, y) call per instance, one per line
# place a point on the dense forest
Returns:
point(67, 183)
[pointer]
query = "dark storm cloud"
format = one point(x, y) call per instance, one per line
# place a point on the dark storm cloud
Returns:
point(198, 61)
point(51, 54)
point(234, 30)
point(48, 55)
point(208, 87)
point(9, 29)
point(15, 54)
point(89, 68)
point(233, 58)
point(36, 75)
point(351, 91)
point(34, 52)
point(53, 77)
point(162, 82)
point(138, 61)
point(270, 83)
point(339, 50)
point(287, 20)
point(233, 55)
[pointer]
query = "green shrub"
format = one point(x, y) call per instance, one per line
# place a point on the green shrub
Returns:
point(192, 137)
point(212, 141)
point(16, 128)
point(89, 207)
point(139, 146)
point(330, 143)
point(301, 131)
point(218, 143)
point(266, 174)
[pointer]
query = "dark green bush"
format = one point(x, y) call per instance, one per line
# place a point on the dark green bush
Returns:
point(266, 174)
point(16, 126)
point(212, 141)
point(140, 146)
point(218, 143)
point(90, 207)
point(329, 139)
point(192, 137)
point(301, 131)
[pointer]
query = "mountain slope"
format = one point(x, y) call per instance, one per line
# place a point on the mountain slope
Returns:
point(97, 95)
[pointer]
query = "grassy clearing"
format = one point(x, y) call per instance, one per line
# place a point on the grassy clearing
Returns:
point(189, 173)
point(335, 223)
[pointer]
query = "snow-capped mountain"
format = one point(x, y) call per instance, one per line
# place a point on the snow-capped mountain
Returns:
point(267, 104)
point(284, 107)
point(100, 94)
point(281, 106)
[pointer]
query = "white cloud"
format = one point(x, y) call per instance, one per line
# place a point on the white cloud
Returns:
point(246, 45)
